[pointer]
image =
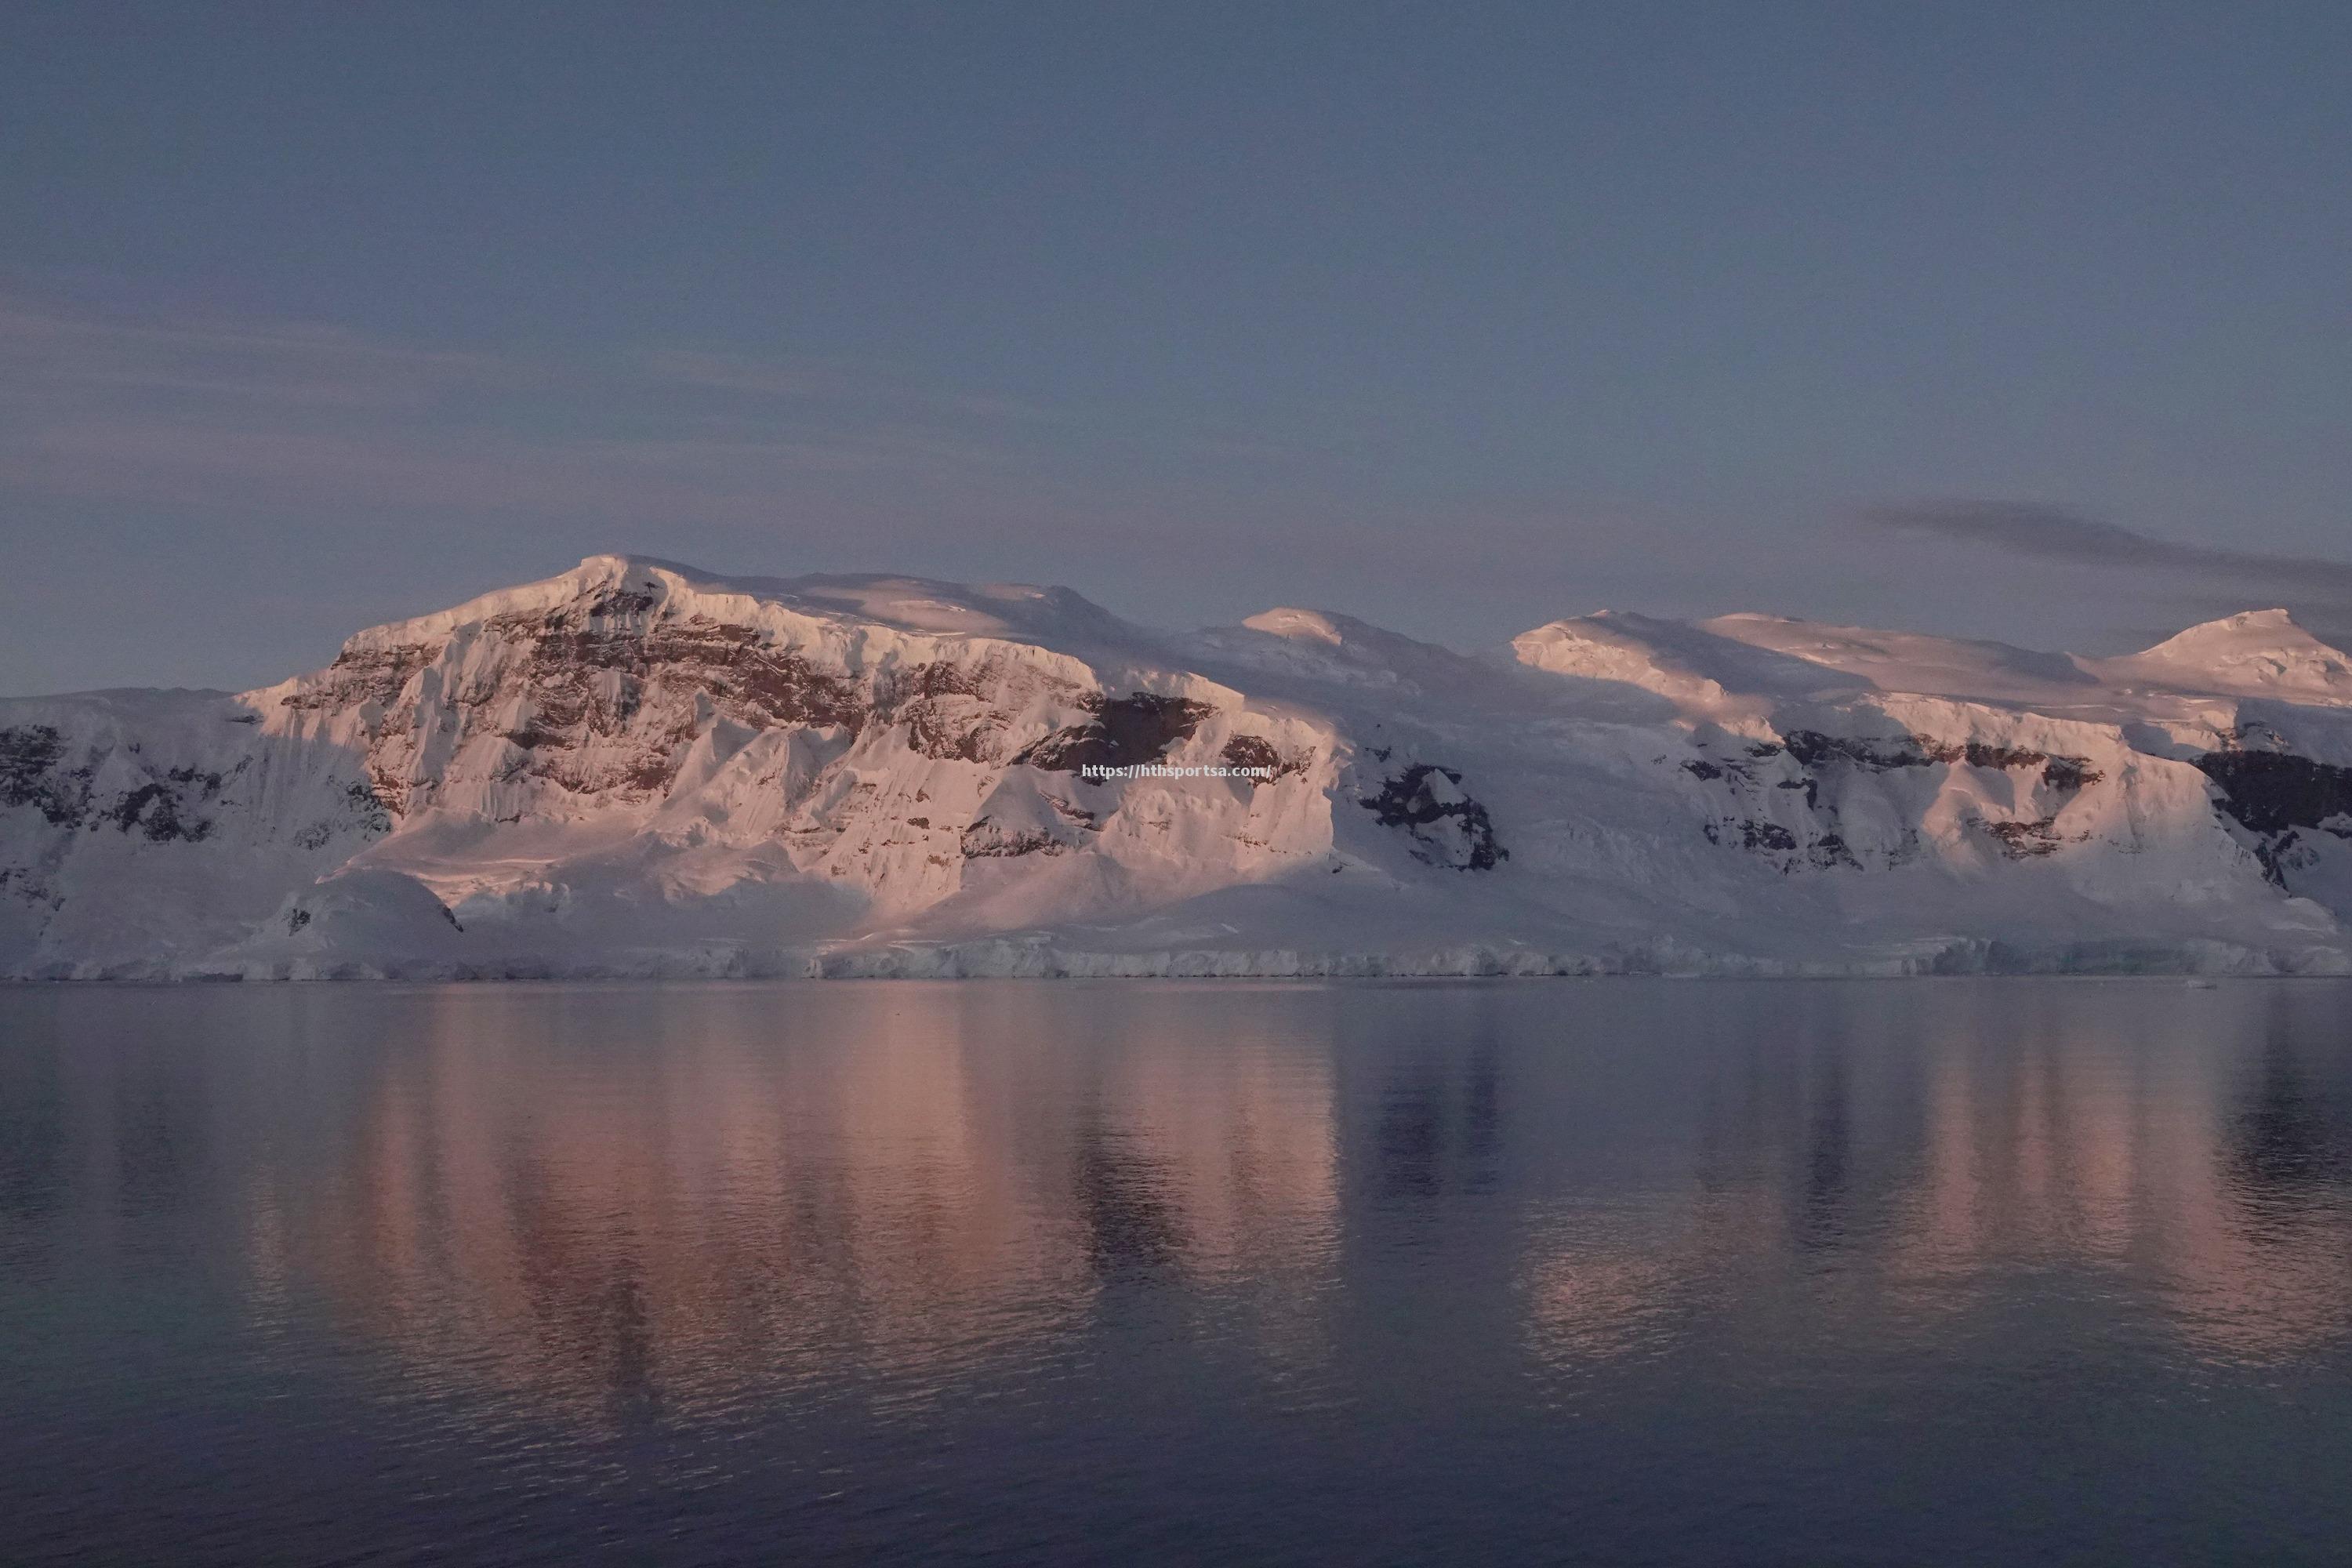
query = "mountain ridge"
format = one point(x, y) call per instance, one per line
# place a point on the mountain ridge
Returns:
point(634, 767)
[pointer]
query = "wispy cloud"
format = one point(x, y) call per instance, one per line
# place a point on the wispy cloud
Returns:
point(2055, 534)
point(68, 360)
point(713, 371)
point(258, 417)
point(276, 415)
point(813, 379)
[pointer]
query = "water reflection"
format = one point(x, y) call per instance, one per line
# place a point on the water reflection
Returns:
point(742, 1198)
point(2174, 1168)
point(640, 1204)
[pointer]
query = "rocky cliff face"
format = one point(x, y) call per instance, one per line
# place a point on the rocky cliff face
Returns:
point(636, 768)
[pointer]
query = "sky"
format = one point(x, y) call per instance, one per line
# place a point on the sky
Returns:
point(2023, 321)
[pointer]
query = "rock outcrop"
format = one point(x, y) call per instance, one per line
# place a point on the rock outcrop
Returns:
point(633, 768)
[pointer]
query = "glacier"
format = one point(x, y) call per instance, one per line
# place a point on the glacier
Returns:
point(637, 769)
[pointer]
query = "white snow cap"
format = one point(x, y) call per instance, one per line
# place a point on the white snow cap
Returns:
point(2256, 653)
point(637, 767)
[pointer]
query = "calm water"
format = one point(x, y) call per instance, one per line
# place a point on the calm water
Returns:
point(1640, 1273)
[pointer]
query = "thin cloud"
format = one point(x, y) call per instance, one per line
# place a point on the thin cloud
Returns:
point(729, 373)
point(161, 463)
point(819, 380)
point(196, 420)
point(2053, 533)
point(209, 416)
point(60, 361)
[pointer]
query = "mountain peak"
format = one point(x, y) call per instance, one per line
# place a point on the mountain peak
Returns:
point(639, 768)
point(1293, 640)
point(1300, 626)
point(1017, 612)
point(2245, 624)
point(2253, 653)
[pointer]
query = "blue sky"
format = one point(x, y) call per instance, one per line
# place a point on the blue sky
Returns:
point(2028, 322)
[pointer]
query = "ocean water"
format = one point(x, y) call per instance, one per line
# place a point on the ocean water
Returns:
point(1616, 1271)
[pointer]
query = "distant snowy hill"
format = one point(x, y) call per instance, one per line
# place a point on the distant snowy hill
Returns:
point(638, 769)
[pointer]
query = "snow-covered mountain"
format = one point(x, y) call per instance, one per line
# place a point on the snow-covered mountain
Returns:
point(637, 768)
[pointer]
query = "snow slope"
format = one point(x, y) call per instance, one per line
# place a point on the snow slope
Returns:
point(636, 768)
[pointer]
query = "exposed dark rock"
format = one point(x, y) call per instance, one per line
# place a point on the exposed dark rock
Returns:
point(1820, 757)
point(1414, 801)
point(1254, 752)
point(1787, 850)
point(1809, 784)
point(2271, 791)
point(746, 678)
point(368, 808)
point(366, 675)
point(1699, 767)
point(587, 671)
point(2278, 854)
point(936, 679)
point(2070, 773)
point(1978, 755)
point(2025, 840)
point(1125, 733)
point(944, 709)
point(166, 807)
point(2062, 772)
point(938, 730)
point(1830, 850)
point(154, 809)
point(1813, 749)
point(986, 841)
point(1810, 748)
point(29, 775)
point(622, 602)
point(2276, 796)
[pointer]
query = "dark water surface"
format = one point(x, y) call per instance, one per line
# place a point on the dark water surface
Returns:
point(1966, 1271)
